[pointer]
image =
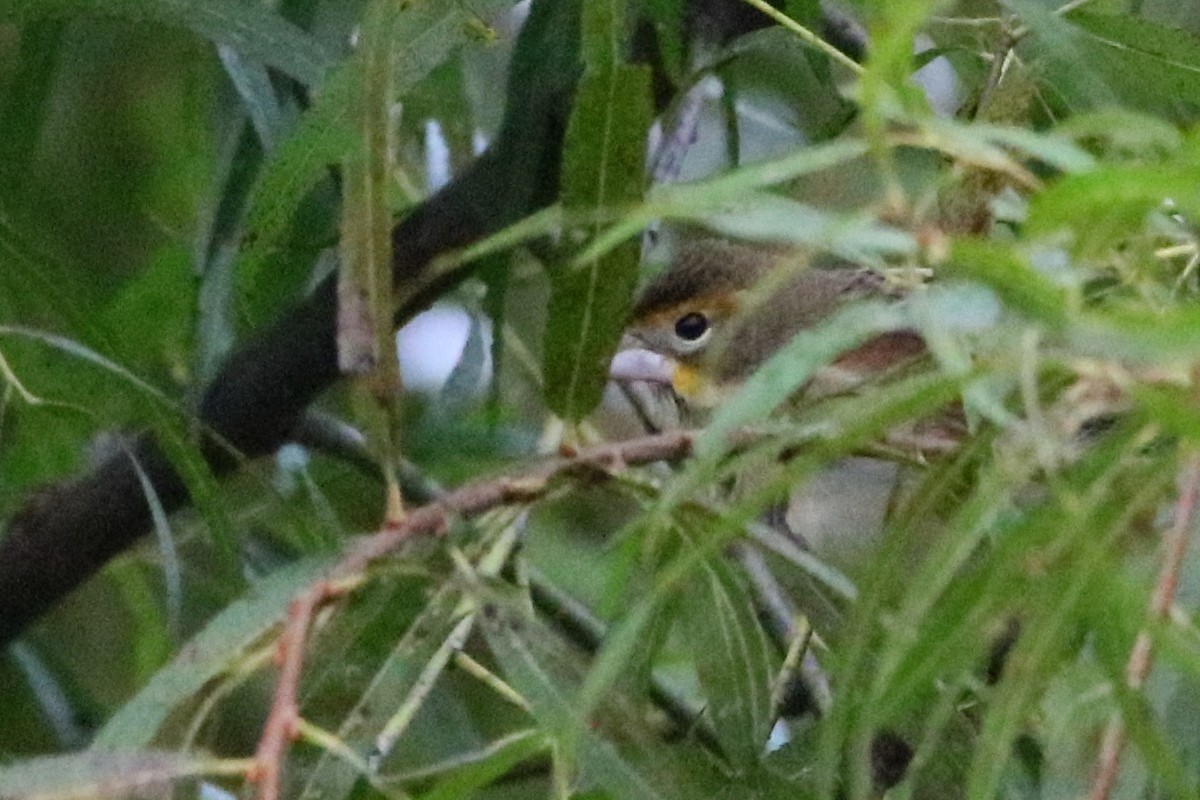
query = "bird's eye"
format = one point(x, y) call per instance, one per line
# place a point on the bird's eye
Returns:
point(691, 326)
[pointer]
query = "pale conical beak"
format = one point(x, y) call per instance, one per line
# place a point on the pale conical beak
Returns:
point(647, 366)
point(637, 364)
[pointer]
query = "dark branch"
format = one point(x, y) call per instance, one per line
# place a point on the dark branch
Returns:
point(67, 532)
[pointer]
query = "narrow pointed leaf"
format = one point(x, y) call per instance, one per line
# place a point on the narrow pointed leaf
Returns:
point(602, 171)
point(554, 705)
point(94, 773)
point(251, 28)
point(422, 37)
point(734, 660)
point(211, 653)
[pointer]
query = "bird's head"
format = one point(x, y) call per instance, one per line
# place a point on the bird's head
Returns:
point(721, 309)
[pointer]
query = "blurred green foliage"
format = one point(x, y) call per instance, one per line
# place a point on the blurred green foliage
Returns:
point(170, 180)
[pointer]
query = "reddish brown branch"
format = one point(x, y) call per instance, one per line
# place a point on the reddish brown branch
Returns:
point(431, 519)
point(281, 724)
point(468, 501)
point(1141, 656)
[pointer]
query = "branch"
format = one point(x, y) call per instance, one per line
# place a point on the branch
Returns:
point(1140, 657)
point(66, 532)
point(598, 462)
point(471, 500)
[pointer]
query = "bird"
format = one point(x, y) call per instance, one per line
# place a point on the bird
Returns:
point(697, 331)
point(722, 308)
point(716, 313)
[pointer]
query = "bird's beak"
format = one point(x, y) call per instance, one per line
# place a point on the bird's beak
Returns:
point(637, 364)
point(688, 383)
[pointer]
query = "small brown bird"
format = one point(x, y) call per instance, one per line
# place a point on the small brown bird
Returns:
point(721, 309)
point(708, 322)
point(716, 314)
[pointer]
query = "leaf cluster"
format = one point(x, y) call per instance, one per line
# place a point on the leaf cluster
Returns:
point(1030, 179)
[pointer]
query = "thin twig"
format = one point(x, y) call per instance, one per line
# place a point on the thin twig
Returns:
point(792, 633)
point(398, 723)
point(330, 743)
point(1141, 656)
point(12, 381)
point(490, 679)
point(578, 624)
point(468, 501)
point(431, 772)
point(807, 36)
point(1000, 63)
point(283, 721)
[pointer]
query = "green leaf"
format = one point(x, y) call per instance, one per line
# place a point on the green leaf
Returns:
point(177, 443)
point(552, 697)
point(1066, 51)
point(98, 773)
point(711, 193)
point(1123, 131)
point(213, 652)
point(162, 298)
point(667, 18)
point(87, 355)
point(365, 291)
point(602, 172)
point(400, 685)
point(422, 36)
point(24, 107)
point(297, 164)
point(890, 57)
point(702, 200)
point(252, 28)
point(1115, 200)
point(1008, 274)
point(1160, 59)
point(734, 660)
point(894, 682)
point(219, 229)
point(419, 654)
point(1171, 408)
point(1084, 532)
point(1051, 149)
point(472, 774)
point(252, 82)
point(1169, 337)
point(768, 217)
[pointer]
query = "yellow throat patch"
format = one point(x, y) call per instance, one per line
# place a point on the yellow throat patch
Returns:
point(694, 386)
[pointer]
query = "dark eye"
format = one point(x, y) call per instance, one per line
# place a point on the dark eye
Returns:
point(692, 326)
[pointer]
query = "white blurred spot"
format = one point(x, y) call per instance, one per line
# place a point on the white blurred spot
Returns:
point(938, 80)
point(479, 142)
point(841, 509)
point(210, 791)
point(432, 343)
point(437, 156)
point(292, 458)
point(780, 735)
point(967, 308)
point(290, 462)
